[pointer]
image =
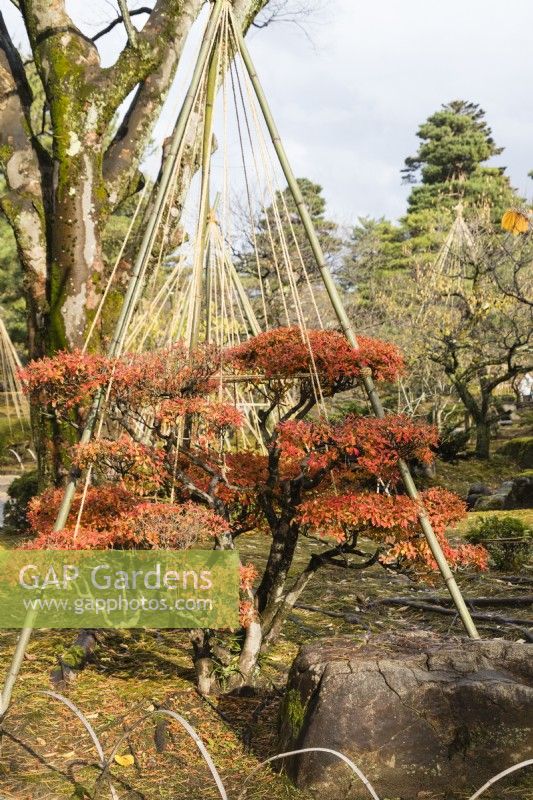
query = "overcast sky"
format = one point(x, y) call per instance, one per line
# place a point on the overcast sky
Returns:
point(349, 104)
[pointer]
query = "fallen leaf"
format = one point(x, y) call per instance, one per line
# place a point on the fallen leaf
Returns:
point(124, 761)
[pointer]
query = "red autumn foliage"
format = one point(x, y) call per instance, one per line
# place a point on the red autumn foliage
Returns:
point(116, 518)
point(391, 520)
point(309, 475)
point(141, 468)
point(69, 379)
point(102, 504)
point(147, 379)
point(385, 441)
point(373, 445)
point(285, 353)
point(64, 380)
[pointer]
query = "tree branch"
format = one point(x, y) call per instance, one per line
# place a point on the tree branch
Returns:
point(131, 33)
point(151, 67)
point(16, 67)
point(18, 160)
point(154, 60)
point(504, 600)
point(437, 609)
point(134, 12)
point(353, 619)
point(52, 33)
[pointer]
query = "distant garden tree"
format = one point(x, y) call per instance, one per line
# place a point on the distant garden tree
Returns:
point(276, 237)
point(481, 331)
point(333, 481)
point(460, 327)
point(449, 166)
point(374, 251)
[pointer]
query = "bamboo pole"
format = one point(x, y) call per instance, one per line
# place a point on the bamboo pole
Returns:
point(243, 297)
point(211, 218)
point(203, 221)
point(347, 328)
point(208, 286)
point(130, 300)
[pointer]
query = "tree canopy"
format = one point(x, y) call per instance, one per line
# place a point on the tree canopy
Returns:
point(450, 165)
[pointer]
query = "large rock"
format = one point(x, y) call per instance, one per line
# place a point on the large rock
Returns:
point(513, 494)
point(498, 501)
point(422, 716)
point(475, 492)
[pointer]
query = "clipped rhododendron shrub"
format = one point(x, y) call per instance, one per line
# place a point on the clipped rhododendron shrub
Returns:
point(116, 518)
point(179, 465)
point(286, 353)
point(392, 521)
point(69, 379)
point(65, 380)
point(385, 441)
point(102, 504)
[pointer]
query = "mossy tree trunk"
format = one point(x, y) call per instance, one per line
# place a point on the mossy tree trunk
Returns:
point(60, 190)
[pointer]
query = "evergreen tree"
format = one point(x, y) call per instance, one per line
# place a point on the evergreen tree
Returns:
point(277, 236)
point(449, 166)
point(376, 249)
point(376, 246)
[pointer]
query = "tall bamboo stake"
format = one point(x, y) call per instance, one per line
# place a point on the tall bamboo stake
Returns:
point(130, 300)
point(207, 148)
point(347, 328)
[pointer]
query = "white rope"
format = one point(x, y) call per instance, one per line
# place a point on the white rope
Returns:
point(500, 775)
point(276, 192)
point(355, 769)
point(15, 399)
point(189, 730)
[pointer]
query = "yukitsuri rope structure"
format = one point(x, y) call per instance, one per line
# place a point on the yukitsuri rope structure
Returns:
point(220, 24)
point(348, 330)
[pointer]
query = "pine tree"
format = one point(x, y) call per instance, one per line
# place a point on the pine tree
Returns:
point(277, 235)
point(449, 166)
